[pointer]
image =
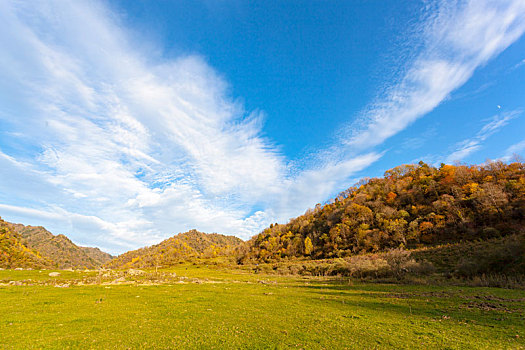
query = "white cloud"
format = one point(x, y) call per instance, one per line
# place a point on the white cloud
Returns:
point(519, 64)
point(469, 146)
point(113, 147)
point(516, 149)
point(458, 38)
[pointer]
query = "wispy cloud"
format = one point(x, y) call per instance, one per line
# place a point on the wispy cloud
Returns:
point(108, 134)
point(458, 38)
point(471, 145)
point(517, 149)
point(519, 64)
point(139, 148)
point(413, 143)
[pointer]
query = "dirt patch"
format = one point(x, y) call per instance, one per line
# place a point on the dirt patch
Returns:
point(443, 294)
point(421, 295)
point(495, 298)
point(489, 306)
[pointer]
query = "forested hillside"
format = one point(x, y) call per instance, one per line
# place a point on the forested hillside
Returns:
point(181, 247)
point(61, 249)
point(15, 253)
point(411, 206)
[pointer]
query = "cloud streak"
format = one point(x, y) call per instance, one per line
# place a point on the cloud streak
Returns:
point(458, 37)
point(112, 147)
point(514, 150)
point(469, 146)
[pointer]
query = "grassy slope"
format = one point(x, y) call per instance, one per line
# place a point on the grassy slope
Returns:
point(239, 312)
point(496, 262)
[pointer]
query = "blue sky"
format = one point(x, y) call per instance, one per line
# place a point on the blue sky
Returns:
point(125, 122)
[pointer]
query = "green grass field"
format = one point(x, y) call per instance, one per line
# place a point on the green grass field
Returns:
point(233, 309)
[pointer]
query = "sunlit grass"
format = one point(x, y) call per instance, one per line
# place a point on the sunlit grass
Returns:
point(257, 312)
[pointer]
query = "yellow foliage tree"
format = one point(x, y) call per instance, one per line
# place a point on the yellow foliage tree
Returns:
point(308, 246)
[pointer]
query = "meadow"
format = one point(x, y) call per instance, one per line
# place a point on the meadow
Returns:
point(194, 306)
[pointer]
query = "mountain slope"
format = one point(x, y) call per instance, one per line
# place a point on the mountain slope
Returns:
point(97, 255)
point(184, 246)
point(15, 252)
point(411, 206)
point(61, 249)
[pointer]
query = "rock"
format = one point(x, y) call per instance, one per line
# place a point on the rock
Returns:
point(54, 274)
point(119, 280)
point(149, 283)
point(266, 282)
point(134, 272)
point(18, 269)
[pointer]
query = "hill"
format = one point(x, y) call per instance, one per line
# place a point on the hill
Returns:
point(97, 255)
point(181, 247)
point(15, 252)
point(60, 249)
point(412, 206)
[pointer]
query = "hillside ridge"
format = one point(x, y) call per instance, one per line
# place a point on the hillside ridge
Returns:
point(16, 253)
point(60, 249)
point(181, 247)
point(412, 206)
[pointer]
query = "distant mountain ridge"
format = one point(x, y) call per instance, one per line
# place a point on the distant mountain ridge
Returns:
point(181, 247)
point(16, 253)
point(60, 249)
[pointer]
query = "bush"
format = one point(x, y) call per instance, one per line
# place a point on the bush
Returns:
point(507, 257)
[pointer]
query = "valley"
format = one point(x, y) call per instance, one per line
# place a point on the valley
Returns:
point(423, 257)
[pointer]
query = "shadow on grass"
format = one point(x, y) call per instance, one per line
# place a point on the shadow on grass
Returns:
point(437, 304)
